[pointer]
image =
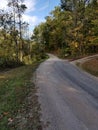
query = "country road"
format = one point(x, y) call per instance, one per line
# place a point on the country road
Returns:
point(68, 96)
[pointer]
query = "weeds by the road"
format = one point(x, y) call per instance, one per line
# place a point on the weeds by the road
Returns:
point(18, 101)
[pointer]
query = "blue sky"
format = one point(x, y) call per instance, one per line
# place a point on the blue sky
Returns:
point(37, 10)
point(40, 9)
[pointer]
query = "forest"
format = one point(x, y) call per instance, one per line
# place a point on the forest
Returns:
point(71, 29)
point(16, 46)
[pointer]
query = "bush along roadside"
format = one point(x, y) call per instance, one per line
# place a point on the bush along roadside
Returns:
point(7, 63)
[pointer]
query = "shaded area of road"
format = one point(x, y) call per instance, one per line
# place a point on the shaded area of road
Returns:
point(68, 96)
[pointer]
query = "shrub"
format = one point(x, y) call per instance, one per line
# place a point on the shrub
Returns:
point(6, 62)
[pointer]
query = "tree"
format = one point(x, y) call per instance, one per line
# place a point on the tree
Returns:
point(71, 28)
point(18, 9)
point(12, 40)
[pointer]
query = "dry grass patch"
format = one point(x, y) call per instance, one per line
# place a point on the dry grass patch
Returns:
point(91, 66)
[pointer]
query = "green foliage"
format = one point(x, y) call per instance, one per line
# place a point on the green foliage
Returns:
point(15, 48)
point(12, 44)
point(38, 52)
point(8, 63)
point(71, 29)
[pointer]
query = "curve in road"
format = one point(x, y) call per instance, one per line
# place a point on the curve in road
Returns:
point(68, 96)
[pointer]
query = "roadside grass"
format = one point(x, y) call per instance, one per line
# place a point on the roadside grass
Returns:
point(91, 66)
point(16, 92)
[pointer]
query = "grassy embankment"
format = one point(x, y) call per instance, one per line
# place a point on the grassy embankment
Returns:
point(18, 100)
point(91, 66)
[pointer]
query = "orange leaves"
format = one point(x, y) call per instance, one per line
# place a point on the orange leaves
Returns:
point(5, 113)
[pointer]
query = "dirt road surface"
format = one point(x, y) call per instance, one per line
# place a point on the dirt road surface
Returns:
point(68, 96)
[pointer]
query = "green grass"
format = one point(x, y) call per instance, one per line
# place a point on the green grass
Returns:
point(15, 86)
point(91, 66)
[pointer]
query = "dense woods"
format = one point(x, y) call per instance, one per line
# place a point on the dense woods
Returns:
point(71, 29)
point(16, 47)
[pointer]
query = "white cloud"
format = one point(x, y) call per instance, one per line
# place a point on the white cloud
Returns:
point(32, 20)
point(31, 6)
point(3, 4)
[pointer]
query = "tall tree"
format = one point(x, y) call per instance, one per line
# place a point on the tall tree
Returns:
point(18, 8)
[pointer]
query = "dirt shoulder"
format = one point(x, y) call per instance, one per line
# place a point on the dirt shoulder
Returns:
point(82, 60)
point(88, 64)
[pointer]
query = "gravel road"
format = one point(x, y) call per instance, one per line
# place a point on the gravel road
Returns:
point(68, 96)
